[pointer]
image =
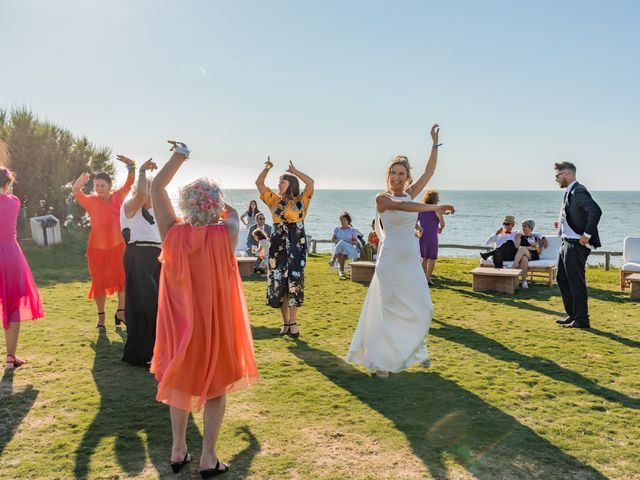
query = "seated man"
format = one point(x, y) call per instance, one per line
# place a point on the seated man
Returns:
point(260, 224)
point(503, 239)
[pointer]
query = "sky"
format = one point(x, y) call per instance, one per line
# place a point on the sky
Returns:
point(339, 87)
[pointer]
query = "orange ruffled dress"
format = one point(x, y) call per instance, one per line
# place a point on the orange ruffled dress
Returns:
point(105, 251)
point(204, 347)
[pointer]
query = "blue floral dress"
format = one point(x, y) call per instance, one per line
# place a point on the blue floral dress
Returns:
point(288, 250)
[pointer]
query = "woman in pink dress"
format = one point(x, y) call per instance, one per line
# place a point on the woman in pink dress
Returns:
point(19, 298)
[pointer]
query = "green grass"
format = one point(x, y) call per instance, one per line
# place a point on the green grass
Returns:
point(509, 395)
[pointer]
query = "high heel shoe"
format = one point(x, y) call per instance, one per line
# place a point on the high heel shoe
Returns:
point(119, 320)
point(177, 466)
point(291, 334)
point(219, 469)
point(285, 329)
point(100, 325)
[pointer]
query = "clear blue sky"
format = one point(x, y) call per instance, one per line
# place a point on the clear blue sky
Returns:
point(340, 87)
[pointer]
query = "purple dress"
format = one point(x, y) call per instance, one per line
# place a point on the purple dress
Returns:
point(429, 240)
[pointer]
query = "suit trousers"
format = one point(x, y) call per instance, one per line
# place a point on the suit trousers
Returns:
point(572, 260)
point(505, 252)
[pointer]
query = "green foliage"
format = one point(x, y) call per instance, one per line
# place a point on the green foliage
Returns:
point(47, 159)
point(510, 395)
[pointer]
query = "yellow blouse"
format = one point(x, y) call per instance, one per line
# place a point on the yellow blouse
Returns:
point(290, 212)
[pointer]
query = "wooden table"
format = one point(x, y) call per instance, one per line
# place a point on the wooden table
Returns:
point(634, 280)
point(362, 271)
point(245, 265)
point(503, 280)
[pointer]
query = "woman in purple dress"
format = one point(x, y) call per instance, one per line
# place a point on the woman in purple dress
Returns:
point(432, 224)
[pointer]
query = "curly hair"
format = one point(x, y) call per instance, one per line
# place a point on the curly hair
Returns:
point(432, 197)
point(346, 215)
point(201, 202)
point(399, 160)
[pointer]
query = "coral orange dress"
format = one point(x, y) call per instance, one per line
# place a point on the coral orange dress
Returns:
point(203, 344)
point(105, 250)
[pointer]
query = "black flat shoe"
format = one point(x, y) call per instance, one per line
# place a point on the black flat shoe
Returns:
point(177, 466)
point(219, 469)
point(291, 334)
point(118, 320)
point(575, 324)
point(564, 321)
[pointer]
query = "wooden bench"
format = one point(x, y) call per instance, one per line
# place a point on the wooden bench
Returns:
point(503, 280)
point(362, 271)
point(634, 280)
point(245, 265)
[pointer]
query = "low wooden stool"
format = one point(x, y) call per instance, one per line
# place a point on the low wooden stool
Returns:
point(503, 280)
point(634, 280)
point(245, 265)
point(362, 271)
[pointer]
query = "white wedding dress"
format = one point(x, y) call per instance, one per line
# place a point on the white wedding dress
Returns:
point(394, 323)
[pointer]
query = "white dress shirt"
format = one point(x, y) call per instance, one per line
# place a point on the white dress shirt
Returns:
point(501, 239)
point(564, 230)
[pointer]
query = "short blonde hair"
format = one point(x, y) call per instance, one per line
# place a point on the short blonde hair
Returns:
point(201, 202)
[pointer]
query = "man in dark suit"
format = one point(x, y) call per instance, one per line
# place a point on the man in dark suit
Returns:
point(578, 228)
point(260, 223)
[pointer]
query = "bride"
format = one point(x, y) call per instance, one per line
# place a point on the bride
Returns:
point(395, 319)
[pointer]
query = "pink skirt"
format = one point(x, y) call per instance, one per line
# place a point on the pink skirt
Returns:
point(19, 297)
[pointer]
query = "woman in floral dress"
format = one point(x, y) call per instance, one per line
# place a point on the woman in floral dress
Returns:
point(288, 251)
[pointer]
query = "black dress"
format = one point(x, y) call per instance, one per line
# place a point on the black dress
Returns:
point(526, 242)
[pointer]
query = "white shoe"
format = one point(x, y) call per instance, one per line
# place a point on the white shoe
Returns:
point(341, 275)
point(525, 284)
point(332, 262)
point(382, 374)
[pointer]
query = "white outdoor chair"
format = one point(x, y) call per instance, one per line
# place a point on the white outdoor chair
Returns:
point(631, 259)
point(545, 267)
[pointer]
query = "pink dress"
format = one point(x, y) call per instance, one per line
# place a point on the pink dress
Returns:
point(19, 297)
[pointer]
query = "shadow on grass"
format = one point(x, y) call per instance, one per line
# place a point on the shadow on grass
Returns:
point(616, 338)
point(264, 333)
point(127, 410)
point(488, 346)
point(509, 300)
point(14, 407)
point(440, 419)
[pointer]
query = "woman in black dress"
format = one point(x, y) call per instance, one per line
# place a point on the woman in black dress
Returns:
point(288, 251)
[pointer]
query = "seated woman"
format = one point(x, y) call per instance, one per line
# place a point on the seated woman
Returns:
point(261, 250)
point(529, 245)
point(346, 239)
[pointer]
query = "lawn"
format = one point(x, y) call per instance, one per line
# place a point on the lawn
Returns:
point(509, 394)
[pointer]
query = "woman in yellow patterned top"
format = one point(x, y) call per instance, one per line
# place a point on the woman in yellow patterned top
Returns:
point(288, 251)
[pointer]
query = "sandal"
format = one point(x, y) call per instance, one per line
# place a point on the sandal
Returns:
point(219, 469)
point(16, 362)
point(291, 334)
point(101, 325)
point(285, 330)
point(119, 320)
point(382, 374)
point(177, 466)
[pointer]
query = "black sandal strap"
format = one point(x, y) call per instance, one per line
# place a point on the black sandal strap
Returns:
point(120, 310)
point(290, 324)
point(100, 313)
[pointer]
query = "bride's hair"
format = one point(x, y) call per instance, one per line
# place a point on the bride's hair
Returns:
point(399, 160)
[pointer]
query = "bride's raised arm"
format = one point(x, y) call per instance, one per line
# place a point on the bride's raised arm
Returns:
point(416, 187)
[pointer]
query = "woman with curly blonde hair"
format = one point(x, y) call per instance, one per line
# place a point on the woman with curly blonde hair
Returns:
point(203, 344)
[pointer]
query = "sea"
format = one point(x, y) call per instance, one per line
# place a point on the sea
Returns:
point(479, 213)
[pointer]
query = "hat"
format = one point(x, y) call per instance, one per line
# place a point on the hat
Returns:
point(509, 219)
point(531, 223)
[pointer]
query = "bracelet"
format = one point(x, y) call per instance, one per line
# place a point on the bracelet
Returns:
point(436, 146)
point(132, 167)
point(182, 150)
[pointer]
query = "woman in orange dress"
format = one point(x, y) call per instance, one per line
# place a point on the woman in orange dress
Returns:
point(105, 250)
point(203, 344)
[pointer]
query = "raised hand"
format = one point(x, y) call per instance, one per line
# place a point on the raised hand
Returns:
point(149, 165)
point(125, 160)
point(180, 148)
point(268, 165)
point(291, 169)
point(446, 209)
point(435, 133)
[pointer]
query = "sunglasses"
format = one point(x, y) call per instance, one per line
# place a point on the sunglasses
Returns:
point(561, 173)
point(505, 224)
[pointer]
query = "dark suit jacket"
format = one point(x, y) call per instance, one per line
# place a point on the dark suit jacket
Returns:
point(251, 242)
point(583, 213)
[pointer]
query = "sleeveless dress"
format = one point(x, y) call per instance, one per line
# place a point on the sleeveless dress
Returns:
point(105, 250)
point(429, 240)
point(19, 297)
point(394, 323)
point(203, 343)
